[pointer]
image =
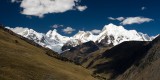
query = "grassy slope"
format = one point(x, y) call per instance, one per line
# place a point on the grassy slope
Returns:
point(92, 57)
point(22, 61)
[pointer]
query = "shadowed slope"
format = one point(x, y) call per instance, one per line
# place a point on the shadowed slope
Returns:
point(148, 68)
point(118, 59)
point(77, 54)
point(133, 60)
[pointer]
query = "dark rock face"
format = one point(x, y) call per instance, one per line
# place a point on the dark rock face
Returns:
point(104, 42)
point(66, 47)
point(70, 44)
point(148, 68)
point(119, 58)
point(78, 53)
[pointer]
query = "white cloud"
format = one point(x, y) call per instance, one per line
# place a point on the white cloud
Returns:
point(131, 20)
point(41, 7)
point(96, 31)
point(81, 8)
point(135, 20)
point(68, 30)
point(143, 8)
point(56, 26)
point(16, 1)
point(118, 18)
point(111, 18)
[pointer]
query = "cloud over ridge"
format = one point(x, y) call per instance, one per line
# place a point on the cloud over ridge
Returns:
point(68, 30)
point(135, 20)
point(131, 20)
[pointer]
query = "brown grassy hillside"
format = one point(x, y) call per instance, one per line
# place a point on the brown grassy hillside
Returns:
point(20, 60)
point(89, 60)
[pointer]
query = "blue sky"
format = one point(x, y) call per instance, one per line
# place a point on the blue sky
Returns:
point(94, 14)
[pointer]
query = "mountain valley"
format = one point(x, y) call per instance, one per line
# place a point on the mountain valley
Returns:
point(29, 55)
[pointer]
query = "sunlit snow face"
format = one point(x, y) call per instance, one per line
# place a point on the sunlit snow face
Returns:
point(19, 29)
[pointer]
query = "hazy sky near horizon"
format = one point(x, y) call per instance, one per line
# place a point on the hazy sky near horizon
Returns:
point(70, 16)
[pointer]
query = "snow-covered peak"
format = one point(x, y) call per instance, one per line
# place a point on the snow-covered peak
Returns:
point(85, 36)
point(153, 37)
point(54, 35)
point(145, 37)
point(18, 29)
point(112, 27)
point(39, 38)
point(52, 32)
point(80, 33)
point(111, 34)
point(117, 34)
point(28, 33)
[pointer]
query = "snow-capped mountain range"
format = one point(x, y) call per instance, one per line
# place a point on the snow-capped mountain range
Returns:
point(53, 40)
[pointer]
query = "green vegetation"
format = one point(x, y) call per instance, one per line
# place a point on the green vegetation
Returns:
point(20, 60)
